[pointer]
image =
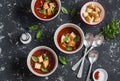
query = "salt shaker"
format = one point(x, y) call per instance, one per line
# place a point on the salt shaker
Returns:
point(25, 38)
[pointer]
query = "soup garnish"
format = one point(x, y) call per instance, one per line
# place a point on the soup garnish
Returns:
point(69, 41)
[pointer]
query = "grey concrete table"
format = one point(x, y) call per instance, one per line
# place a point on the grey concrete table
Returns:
point(16, 17)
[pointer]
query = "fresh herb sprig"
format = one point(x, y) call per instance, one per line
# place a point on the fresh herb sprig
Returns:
point(111, 30)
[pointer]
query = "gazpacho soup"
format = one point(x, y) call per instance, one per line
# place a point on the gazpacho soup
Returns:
point(42, 61)
point(69, 39)
point(46, 9)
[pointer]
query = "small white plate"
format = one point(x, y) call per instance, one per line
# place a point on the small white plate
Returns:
point(103, 75)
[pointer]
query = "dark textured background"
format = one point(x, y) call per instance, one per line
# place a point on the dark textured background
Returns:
point(16, 17)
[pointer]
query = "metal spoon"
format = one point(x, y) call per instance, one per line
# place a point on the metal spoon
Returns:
point(87, 42)
point(98, 40)
point(92, 56)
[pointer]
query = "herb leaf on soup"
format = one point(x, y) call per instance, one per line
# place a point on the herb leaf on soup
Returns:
point(77, 39)
point(34, 27)
point(45, 57)
point(35, 59)
point(66, 39)
point(64, 10)
point(62, 60)
point(53, 10)
point(42, 12)
point(73, 12)
point(69, 48)
point(44, 69)
point(39, 34)
point(48, 1)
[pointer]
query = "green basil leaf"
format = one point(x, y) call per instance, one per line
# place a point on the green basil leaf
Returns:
point(48, 1)
point(69, 48)
point(64, 10)
point(44, 69)
point(73, 12)
point(35, 59)
point(39, 34)
point(66, 39)
point(53, 10)
point(45, 57)
point(42, 12)
point(34, 27)
point(62, 60)
point(77, 39)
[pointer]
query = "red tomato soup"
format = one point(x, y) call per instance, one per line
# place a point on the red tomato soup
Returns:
point(46, 9)
point(69, 39)
point(43, 57)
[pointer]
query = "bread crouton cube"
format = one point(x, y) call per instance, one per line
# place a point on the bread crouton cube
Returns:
point(40, 59)
point(37, 66)
point(85, 14)
point(97, 9)
point(89, 19)
point(89, 10)
point(45, 63)
point(72, 43)
point(92, 6)
point(49, 12)
point(45, 6)
point(72, 35)
point(62, 38)
point(52, 5)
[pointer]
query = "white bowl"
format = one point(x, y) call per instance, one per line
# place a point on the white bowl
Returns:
point(32, 8)
point(103, 76)
point(29, 58)
point(102, 14)
point(65, 26)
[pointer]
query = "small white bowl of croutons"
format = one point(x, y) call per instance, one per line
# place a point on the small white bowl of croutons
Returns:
point(92, 13)
point(42, 61)
point(45, 10)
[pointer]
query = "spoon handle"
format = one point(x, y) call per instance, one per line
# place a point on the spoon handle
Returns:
point(78, 63)
point(88, 76)
point(79, 75)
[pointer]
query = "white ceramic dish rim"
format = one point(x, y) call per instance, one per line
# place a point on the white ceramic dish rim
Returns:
point(69, 25)
point(84, 8)
point(29, 58)
point(32, 8)
point(103, 70)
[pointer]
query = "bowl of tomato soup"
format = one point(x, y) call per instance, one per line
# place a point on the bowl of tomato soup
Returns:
point(69, 38)
point(42, 61)
point(45, 9)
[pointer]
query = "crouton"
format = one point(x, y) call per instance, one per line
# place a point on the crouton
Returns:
point(89, 10)
point(72, 43)
point(45, 63)
point(85, 14)
point(37, 66)
point(52, 5)
point(40, 59)
point(49, 12)
point(72, 35)
point(89, 19)
point(62, 38)
point(97, 9)
point(92, 6)
point(45, 6)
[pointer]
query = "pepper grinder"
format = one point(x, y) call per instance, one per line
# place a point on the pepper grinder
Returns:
point(25, 38)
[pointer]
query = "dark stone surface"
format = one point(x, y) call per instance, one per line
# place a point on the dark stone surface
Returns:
point(16, 17)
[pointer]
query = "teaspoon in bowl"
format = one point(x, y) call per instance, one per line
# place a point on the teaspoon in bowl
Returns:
point(92, 56)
